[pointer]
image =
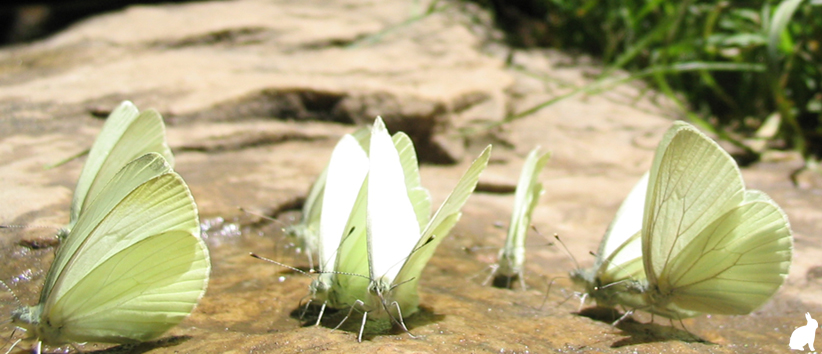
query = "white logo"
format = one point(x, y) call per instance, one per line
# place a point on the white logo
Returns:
point(804, 335)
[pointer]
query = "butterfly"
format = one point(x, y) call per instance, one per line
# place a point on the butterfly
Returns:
point(344, 264)
point(126, 135)
point(307, 231)
point(703, 243)
point(512, 255)
point(398, 248)
point(132, 267)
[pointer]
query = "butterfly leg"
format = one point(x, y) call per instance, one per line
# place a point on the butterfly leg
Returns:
point(350, 309)
point(490, 274)
point(692, 333)
point(624, 316)
point(362, 326)
point(305, 309)
point(582, 301)
point(320, 317)
point(547, 293)
point(13, 345)
point(522, 280)
point(401, 322)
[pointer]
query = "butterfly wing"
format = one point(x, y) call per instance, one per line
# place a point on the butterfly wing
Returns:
point(132, 270)
point(734, 264)
point(126, 135)
point(619, 258)
point(392, 224)
point(346, 172)
point(351, 280)
point(512, 256)
point(692, 182)
point(420, 198)
point(404, 287)
point(307, 231)
point(626, 223)
point(313, 202)
point(134, 174)
point(620, 252)
point(363, 136)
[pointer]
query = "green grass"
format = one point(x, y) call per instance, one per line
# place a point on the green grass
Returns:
point(732, 65)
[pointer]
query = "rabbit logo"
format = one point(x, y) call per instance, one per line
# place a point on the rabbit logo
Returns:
point(804, 335)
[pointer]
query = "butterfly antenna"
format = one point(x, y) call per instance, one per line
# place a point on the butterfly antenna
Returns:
point(317, 272)
point(305, 309)
point(16, 299)
point(252, 254)
point(548, 291)
point(415, 250)
point(66, 160)
point(476, 248)
point(606, 286)
point(534, 227)
point(401, 283)
point(568, 252)
point(261, 216)
point(28, 227)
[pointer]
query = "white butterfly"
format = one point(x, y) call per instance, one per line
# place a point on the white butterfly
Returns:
point(397, 248)
point(132, 267)
point(705, 244)
point(529, 189)
point(126, 135)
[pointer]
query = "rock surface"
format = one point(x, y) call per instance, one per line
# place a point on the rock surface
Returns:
point(255, 95)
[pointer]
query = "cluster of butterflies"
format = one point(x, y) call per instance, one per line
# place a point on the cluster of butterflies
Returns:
point(374, 233)
point(689, 238)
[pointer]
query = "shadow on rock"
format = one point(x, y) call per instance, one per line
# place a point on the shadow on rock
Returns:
point(350, 320)
point(143, 347)
point(637, 332)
